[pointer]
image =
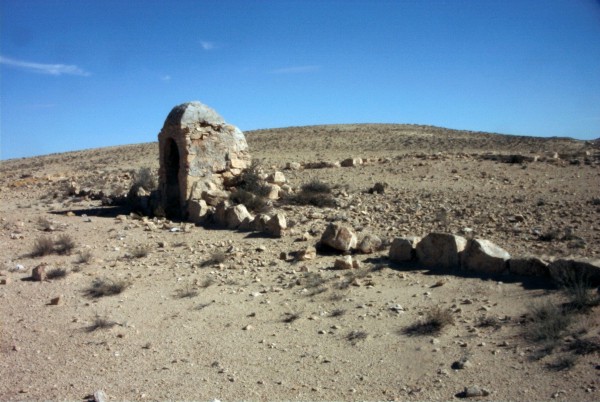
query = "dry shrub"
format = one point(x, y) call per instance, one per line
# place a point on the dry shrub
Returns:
point(140, 251)
point(42, 246)
point(106, 287)
point(548, 322)
point(100, 323)
point(57, 273)
point(316, 193)
point(355, 336)
point(64, 244)
point(291, 317)
point(435, 321)
point(250, 200)
point(218, 257)
point(85, 257)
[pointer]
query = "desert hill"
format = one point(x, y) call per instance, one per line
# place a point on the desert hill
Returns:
point(145, 308)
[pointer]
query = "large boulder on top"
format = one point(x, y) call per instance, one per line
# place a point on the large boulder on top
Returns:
point(484, 256)
point(339, 237)
point(441, 250)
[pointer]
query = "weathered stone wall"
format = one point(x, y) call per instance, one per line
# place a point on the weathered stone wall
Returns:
point(198, 151)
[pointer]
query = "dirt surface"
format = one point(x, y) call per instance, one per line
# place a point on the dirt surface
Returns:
point(253, 325)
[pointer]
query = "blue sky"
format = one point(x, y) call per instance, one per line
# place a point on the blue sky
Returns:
point(81, 74)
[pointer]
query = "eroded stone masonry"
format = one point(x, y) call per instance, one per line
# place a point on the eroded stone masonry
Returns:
point(199, 154)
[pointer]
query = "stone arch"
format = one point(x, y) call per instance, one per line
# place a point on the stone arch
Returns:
point(172, 164)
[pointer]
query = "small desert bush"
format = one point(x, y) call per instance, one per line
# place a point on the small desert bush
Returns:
point(548, 322)
point(316, 193)
point(577, 286)
point(64, 244)
point(57, 273)
point(100, 323)
point(435, 321)
point(106, 287)
point(187, 293)
point(338, 312)
point(45, 224)
point(291, 317)
point(218, 257)
point(355, 336)
point(250, 200)
point(144, 179)
point(42, 246)
point(84, 257)
point(140, 251)
point(250, 180)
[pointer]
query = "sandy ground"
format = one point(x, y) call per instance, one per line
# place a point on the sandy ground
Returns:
point(259, 327)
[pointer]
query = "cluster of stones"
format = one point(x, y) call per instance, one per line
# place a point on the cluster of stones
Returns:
point(447, 251)
point(444, 251)
point(585, 157)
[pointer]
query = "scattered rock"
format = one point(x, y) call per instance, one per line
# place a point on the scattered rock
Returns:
point(309, 253)
point(369, 244)
point(100, 396)
point(485, 257)
point(39, 273)
point(473, 391)
point(403, 249)
point(276, 178)
point(277, 225)
point(351, 162)
point(234, 216)
point(57, 301)
point(5, 281)
point(344, 262)
point(528, 265)
point(441, 250)
point(339, 237)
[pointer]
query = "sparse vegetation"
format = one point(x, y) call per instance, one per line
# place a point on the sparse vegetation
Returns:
point(338, 312)
point(85, 257)
point(207, 282)
point(489, 322)
point(186, 293)
point(291, 317)
point(100, 323)
point(356, 336)
point(316, 193)
point(57, 273)
point(64, 244)
point(106, 287)
point(435, 321)
point(548, 323)
point(251, 201)
point(42, 246)
point(45, 224)
point(216, 258)
point(140, 251)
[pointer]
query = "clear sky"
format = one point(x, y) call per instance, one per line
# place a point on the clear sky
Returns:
point(81, 74)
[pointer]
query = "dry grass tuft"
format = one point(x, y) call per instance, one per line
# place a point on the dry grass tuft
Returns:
point(64, 244)
point(356, 336)
point(106, 287)
point(42, 246)
point(435, 321)
point(100, 323)
point(57, 273)
point(140, 251)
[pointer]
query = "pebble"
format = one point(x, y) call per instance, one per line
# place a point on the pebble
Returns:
point(474, 391)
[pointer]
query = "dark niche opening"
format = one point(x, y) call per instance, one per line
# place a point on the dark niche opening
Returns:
point(172, 190)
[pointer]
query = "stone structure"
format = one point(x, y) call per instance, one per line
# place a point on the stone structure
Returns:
point(199, 152)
